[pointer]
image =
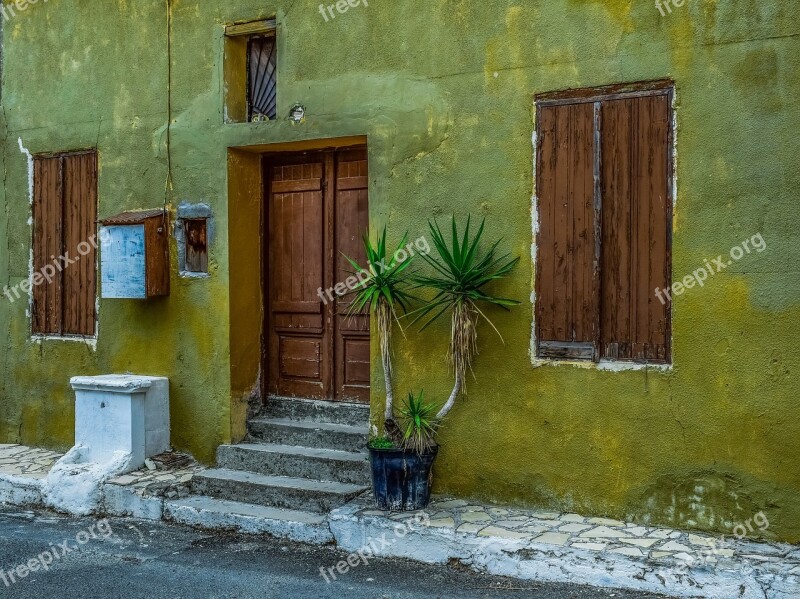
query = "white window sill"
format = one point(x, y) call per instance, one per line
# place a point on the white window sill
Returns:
point(605, 365)
point(90, 341)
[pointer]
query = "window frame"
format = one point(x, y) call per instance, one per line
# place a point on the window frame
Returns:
point(236, 68)
point(188, 224)
point(596, 96)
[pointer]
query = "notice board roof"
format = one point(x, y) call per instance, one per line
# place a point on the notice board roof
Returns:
point(134, 217)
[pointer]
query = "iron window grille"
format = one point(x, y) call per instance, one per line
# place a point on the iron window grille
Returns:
point(262, 78)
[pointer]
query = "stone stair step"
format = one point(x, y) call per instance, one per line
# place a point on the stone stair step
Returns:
point(215, 514)
point(276, 491)
point(317, 411)
point(306, 433)
point(303, 462)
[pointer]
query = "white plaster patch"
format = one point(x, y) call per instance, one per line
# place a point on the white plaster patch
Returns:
point(88, 341)
point(19, 490)
point(29, 157)
point(74, 485)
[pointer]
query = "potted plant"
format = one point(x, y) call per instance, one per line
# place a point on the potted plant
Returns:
point(460, 273)
point(401, 469)
point(402, 459)
point(382, 290)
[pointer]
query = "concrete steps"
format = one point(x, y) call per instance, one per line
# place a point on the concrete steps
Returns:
point(303, 459)
point(279, 491)
point(317, 411)
point(215, 514)
point(307, 433)
point(302, 462)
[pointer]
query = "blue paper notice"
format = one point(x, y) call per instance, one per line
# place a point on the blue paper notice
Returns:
point(123, 262)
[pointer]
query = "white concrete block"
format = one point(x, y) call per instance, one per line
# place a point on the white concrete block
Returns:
point(156, 416)
point(121, 413)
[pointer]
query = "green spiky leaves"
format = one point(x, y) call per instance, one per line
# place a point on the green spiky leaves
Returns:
point(419, 423)
point(461, 272)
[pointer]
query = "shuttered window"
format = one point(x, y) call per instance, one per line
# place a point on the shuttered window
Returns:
point(65, 244)
point(604, 209)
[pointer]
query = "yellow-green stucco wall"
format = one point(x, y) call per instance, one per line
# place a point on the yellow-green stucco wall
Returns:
point(443, 90)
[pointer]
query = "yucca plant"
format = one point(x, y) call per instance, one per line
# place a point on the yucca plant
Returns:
point(419, 424)
point(460, 275)
point(382, 290)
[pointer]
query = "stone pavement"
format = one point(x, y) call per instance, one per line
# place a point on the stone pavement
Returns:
point(544, 545)
point(148, 482)
point(143, 493)
point(527, 544)
point(29, 462)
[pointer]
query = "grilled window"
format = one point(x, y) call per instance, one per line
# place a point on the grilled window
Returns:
point(261, 78)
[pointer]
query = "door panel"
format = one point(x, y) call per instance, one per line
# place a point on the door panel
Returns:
point(318, 210)
point(298, 349)
point(352, 332)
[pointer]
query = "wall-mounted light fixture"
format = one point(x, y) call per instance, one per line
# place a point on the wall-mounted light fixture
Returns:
point(297, 113)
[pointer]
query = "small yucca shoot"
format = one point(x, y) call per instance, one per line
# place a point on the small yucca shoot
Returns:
point(419, 424)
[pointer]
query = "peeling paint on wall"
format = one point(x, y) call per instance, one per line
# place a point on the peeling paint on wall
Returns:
point(446, 135)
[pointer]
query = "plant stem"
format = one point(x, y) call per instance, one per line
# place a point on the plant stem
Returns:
point(387, 379)
point(384, 321)
point(452, 400)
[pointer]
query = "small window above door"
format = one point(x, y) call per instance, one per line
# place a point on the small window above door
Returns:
point(251, 72)
point(261, 79)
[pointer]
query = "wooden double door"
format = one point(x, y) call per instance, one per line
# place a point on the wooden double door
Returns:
point(317, 213)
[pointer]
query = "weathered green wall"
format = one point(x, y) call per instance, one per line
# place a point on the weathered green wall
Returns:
point(444, 89)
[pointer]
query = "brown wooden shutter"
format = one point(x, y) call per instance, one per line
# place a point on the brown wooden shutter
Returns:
point(47, 244)
point(635, 135)
point(566, 280)
point(65, 213)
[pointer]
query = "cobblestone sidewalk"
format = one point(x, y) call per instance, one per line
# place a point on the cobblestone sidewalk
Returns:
point(551, 546)
point(527, 544)
point(28, 462)
point(149, 482)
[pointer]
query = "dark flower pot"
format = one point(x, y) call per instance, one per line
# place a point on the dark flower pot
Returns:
point(401, 480)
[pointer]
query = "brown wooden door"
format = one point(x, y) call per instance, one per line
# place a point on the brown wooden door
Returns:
point(317, 211)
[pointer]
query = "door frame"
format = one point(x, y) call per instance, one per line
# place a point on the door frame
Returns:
point(327, 155)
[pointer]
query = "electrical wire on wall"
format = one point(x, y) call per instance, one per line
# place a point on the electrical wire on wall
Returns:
point(168, 183)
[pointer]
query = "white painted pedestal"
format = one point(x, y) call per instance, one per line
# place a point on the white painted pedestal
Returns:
point(121, 413)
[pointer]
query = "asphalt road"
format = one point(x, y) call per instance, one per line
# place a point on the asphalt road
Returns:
point(132, 559)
